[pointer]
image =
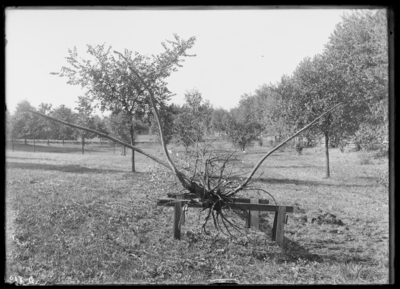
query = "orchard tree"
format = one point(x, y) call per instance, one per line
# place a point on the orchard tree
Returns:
point(193, 120)
point(284, 114)
point(358, 52)
point(168, 113)
point(201, 109)
point(108, 82)
point(45, 126)
point(219, 119)
point(269, 111)
point(84, 118)
point(241, 127)
point(60, 131)
point(315, 87)
point(122, 127)
point(9, 123)
point(100, 124)
point(23, 124)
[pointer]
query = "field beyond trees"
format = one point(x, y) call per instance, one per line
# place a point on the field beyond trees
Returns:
point(85, 219)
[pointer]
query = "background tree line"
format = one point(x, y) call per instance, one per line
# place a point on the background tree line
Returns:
point(352, 70)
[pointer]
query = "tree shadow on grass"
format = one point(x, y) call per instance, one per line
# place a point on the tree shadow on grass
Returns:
point(292, 250)
point(276, 153)
point(300, 183)
point(296, 167)
point(307, 183)
point(19, 158)
point(66, 169)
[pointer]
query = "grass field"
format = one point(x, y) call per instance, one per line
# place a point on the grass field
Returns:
point(86, 219)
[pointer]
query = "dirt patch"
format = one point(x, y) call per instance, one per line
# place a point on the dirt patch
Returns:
point(327, 218)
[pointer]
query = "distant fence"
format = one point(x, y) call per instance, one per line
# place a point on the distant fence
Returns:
point(74, 142)
point(40, 141)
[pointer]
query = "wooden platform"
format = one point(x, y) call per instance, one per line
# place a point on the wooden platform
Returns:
point(253, 206)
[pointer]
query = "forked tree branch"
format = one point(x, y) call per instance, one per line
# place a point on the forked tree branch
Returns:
point(103, 135)
point(240, 187)
point(180, 176)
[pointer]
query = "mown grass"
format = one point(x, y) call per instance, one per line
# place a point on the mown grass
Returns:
point(85, 219)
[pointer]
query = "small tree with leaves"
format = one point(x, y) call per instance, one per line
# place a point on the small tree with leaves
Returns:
point(193, 120)
point(109, 84)
point(26, 125)
point(45, 126)
point(242, 127)
point(84, 118)
point(219, 120)
point(60, 131)
point(240, 132)
point(100, 124)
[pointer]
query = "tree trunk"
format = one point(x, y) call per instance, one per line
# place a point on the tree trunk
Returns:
point(12, 142)
point(133, 152)
point(25, 141)
point(327, 154)
point(48, 141)
point(63, 139)
point(114, 147)
point(83, 145)
point(33, 144)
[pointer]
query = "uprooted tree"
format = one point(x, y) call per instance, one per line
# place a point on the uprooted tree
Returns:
point(208, 177)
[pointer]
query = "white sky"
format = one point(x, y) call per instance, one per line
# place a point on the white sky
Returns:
point(237, 50)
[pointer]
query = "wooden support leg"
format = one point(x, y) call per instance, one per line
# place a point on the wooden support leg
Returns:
point(279, 224)
point(177, 216)
point(183, 215)
point(254, 217)
point(274, 227)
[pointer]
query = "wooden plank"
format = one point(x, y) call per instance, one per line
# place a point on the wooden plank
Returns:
point(248, 201)
point(247, 207)
point(171, 202)
point(236, 200)
point(280, 225)
point(177, 216)
point(254, 217)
